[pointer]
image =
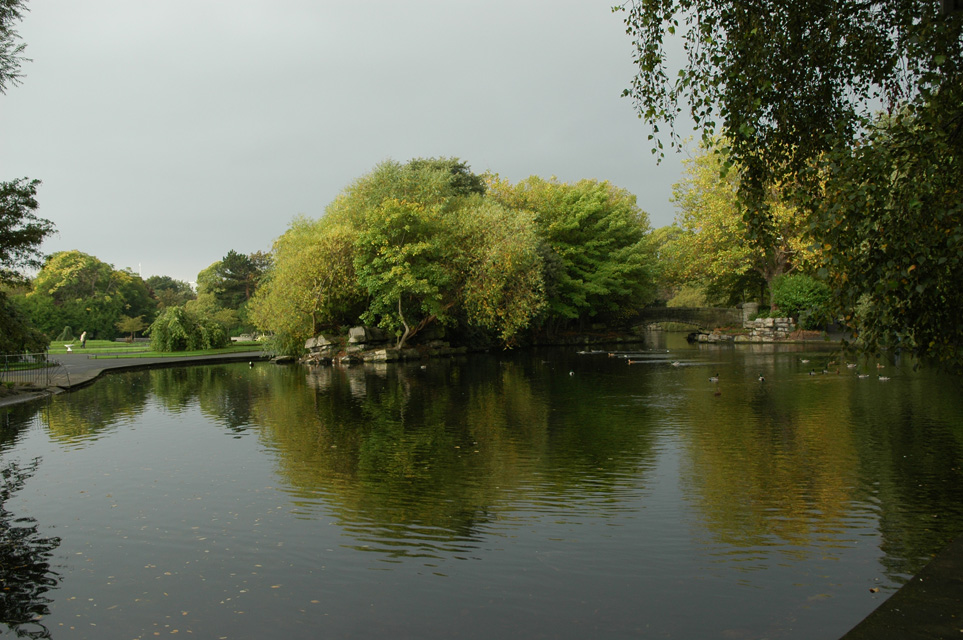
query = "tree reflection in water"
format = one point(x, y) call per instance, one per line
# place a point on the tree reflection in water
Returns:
point(25, 572)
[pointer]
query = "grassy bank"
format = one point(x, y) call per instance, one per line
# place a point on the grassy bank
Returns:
point(110, 349)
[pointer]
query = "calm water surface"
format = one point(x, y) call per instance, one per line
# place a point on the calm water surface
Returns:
point(545, 494)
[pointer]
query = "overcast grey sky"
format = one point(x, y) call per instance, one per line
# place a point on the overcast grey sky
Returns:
point(168, 133)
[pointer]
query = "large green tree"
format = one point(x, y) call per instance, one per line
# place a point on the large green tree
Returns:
point(226, 286)
point(793, 88)
point(404, 259)
point(237, 276)
point(422, 264)
point(21, 234)
point(78, 290)
point(406, 246)
point(425, 251)
point(311, 284)
point(598, 263)
point(21, 230)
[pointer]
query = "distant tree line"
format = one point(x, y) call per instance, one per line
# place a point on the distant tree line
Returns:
point(77, 292)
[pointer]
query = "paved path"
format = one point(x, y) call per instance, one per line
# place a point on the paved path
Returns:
point(79, 370)
point(929, 606)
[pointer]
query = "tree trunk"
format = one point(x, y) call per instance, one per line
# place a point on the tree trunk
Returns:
point(410, 331)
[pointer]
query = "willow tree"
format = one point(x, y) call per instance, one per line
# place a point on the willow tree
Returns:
point(786, 82)
point(793, 87)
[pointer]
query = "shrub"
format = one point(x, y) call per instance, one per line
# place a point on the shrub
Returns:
point(799, 294)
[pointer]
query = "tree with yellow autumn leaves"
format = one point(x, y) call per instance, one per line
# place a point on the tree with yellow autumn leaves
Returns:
point(710, 246)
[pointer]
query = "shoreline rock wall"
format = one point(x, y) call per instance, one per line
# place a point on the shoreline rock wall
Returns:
point(369, 344)
point(759, 330)
point(769, 328)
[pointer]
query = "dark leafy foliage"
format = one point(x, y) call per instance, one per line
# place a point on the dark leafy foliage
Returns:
point(79, 290)
point(17, 333)
point(21, 231)
point(237, 276)
point(792, 87)
point(461, 180)
point(168, 291)
point(900, 262)
point(597, 261)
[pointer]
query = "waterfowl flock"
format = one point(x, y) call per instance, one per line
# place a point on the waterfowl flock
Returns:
point(655, 357)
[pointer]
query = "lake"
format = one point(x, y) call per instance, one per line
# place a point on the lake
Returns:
point(528, 494)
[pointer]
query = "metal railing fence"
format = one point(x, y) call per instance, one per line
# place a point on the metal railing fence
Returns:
point(27, 368)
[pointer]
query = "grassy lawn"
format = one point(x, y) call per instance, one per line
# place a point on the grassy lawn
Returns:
point(97, 346)
point(110, 349)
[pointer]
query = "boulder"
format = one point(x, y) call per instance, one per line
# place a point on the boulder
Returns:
point(364, 335)
point(382, 355)
point(318, 341)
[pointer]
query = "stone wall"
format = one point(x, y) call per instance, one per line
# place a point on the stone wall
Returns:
point(759, 330)
point(768, 329)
